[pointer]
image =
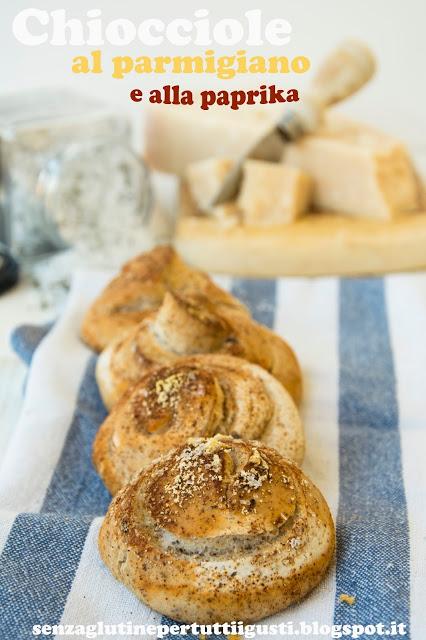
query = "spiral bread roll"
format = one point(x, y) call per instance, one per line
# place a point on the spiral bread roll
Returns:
point(197, 396)
point(219, 529)
point(187, 326)
point(140, 288)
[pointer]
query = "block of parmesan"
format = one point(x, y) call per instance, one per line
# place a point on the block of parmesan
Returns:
point(356, 170)
point(273, 193)
point(204, 179)
point(227, 215)
point(175, 136)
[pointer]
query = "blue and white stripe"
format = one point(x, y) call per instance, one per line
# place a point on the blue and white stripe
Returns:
point(364, 359)
point(372, 524)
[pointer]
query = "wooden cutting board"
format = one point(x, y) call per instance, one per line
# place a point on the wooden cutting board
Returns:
point(317, 244)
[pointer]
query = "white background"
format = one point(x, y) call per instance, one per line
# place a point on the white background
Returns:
point(395, 29)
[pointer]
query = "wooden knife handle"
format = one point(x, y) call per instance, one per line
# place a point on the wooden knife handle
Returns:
point(343, 73)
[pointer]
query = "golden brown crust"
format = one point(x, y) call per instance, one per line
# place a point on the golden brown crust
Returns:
point(139, 288)
point(192, 325)
point(220, 529)
point(196, 396)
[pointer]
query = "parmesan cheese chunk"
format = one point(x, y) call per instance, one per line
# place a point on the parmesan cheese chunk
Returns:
point(273, 193)
point(176, 136)
point(205, 179)
point(227, 214)
point(356, 170)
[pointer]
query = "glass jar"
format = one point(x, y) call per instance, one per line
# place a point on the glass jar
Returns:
point(69, 178)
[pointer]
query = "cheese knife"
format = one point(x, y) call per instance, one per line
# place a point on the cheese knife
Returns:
point(342, 74)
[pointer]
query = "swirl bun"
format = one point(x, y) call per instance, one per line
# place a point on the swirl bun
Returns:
point(220, 529)
point(195, 396)
point(140, 288)
point(192, 325)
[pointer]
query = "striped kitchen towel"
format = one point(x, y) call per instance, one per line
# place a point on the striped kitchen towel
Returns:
point(362, 346)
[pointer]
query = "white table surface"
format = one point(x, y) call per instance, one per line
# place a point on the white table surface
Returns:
point(23, 304)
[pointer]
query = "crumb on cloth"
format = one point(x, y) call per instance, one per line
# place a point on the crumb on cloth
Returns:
point(345, 597)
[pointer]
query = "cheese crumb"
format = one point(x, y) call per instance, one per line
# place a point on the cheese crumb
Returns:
point(295, 543)
point(167, 389)
point(345, 597)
